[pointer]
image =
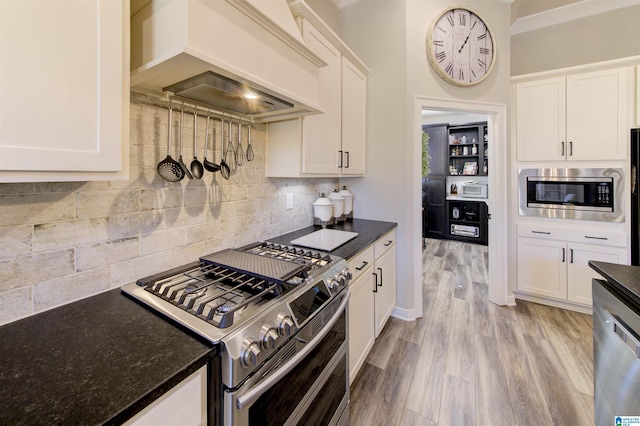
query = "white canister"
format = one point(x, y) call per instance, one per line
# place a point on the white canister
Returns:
point(348, 202)
point(338, 205)
point(322, 211)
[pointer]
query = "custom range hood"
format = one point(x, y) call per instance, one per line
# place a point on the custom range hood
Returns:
point(218, 52)
point(214, 89)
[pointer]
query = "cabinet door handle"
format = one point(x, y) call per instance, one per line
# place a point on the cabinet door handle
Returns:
point(562, 144)
point(563, 255)
point(570, 147)
point(389, 242)
point(380, 277)
point(340, 153)
point(375, 289)
point(364, 263)
point(541, 232)
point(347, 166)
point(596, 238)
point(571, 254)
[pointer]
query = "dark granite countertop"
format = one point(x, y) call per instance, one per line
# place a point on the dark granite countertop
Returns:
point(623, 279)
point(368, 231)
point(102, 359)
point(99, 360)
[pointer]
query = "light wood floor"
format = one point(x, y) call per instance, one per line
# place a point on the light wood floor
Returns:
point(470, 362)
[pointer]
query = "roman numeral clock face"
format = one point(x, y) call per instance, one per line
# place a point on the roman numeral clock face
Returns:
point(460, 47)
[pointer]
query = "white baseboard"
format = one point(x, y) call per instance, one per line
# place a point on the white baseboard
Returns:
point(404, 314)
point(555, 303)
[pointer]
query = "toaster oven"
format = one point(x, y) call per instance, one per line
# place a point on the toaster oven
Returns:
point(473, 190)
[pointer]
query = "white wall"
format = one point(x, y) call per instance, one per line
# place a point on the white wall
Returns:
point(601, 37)
point(389, 36)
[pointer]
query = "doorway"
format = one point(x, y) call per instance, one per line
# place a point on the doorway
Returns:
point(495, 116)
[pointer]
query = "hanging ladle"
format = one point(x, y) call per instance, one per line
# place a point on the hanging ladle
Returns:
point(184, 166)
point(250, 154)
point(196, 166)
point(208, 165)
point(240, 158)
point(224, 167)
point(169, 169)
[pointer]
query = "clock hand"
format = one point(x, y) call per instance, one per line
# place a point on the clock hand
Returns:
point(465, 42)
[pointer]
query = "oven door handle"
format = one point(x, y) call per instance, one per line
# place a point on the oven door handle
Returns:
point(252, 395)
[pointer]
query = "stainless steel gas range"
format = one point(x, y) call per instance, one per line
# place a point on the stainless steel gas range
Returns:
point(278, 315)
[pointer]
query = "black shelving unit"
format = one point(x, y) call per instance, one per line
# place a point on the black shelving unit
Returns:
point(468, 145)
point(467, 221)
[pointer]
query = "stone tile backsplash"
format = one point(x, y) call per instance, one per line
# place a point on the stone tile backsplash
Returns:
point(64, 241)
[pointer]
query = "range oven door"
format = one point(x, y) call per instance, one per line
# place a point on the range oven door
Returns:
point(305, 381)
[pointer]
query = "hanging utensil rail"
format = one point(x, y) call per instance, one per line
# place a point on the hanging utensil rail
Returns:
point(203, 109)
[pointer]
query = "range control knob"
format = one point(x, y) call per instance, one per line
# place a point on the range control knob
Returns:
point(334, 283)
point(285, 325)
point(269, 335)
point(339, 279)
point(346, 273)
point(250, 353)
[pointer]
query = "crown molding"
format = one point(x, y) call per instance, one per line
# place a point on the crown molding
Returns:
point(567, 13)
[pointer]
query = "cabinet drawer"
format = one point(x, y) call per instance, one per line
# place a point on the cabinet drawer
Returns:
point(383, 244)
point(575, 235)
point(361, 263)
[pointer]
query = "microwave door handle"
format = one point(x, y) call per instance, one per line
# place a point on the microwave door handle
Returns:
point(256, 392)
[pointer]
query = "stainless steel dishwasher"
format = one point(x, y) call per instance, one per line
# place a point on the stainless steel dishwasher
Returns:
point(616, 350)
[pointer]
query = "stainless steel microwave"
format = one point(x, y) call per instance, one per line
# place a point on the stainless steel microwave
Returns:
point(586, 194)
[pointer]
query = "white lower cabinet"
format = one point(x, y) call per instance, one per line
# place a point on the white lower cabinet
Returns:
point(361, 302)
point(553, 266)
point(384, 251)
point(541, 269)
point(185, 404)
point(579, 274)
point(373, 297)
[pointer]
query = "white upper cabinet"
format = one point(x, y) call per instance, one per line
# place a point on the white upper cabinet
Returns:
point(577, 117)
point(321, 132)
point(540, 122)
point(64, 90)
point(354, 119)
point(332, 143)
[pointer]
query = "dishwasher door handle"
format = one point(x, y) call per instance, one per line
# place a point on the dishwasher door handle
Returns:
point(626, 335)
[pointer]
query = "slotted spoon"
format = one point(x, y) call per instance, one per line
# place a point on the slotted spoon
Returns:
point(169, 169)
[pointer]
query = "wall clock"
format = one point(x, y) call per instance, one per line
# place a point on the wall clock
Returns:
point(461, 47)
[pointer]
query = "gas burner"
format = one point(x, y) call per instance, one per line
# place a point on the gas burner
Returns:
point(223, 290)
point(232, 303)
